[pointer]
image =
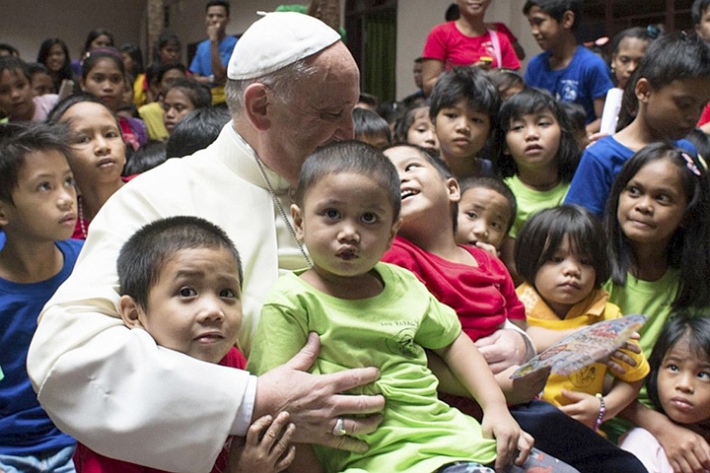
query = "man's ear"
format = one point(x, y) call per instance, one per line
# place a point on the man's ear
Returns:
point(256, 105)
point(567, 19)
point(131, 312)
point(452, 186)
point(296, 213)
point(642, 89)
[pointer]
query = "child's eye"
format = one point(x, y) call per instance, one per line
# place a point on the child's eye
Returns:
point(633, 191)
point(82, 139)
point(472, 215)
point(516, 127)
point(369, 217)
point(409, 167)
point(69, 182)
point(187, 292)
point(44, 186)
point(557, 259)
point(331, 214)
point(496, 225)
point(704, 375)
point(228, 293)
point(421, 129)
point(544, 124)
point(663, 198)
point(111, 134)
point(672, 367)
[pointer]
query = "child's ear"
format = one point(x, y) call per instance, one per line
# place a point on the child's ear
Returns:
point(452, 185)
point(131, 312)
point(3, 213)
point(567, 19)
point(297, 221)
point(642, 90)
point(394, 230)
point(256, 105)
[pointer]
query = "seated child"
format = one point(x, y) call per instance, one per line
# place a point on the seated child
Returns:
point(371, 128)
point(17, 98)
point(428, 206)
point(180, 281)
point(561, 255)
point(368, 313)
point(40, 80)
point(486, 213)
point(37, 216)
point(464, 108)
point(677, 385)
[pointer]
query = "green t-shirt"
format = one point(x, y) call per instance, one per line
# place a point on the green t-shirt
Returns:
point(652, 299)
point(530, 201)
point(419, 433)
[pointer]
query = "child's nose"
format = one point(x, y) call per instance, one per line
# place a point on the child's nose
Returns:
point(211, 310)
point(348, 233)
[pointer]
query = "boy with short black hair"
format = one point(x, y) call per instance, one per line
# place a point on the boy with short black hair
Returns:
point(371, 128)
point(463, 108)
point(672, 86)
point(37, 214)
point(346, 211)
point(180, 281)
point(568, 70)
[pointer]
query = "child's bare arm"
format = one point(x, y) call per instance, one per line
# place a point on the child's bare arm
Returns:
point(471, 369)
point(266, 447)
point(544, 338)
point(586, 408)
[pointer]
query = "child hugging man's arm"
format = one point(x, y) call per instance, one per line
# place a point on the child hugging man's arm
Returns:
point(180, 281)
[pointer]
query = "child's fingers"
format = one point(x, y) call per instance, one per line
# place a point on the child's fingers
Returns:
point(526, 442)
point(255, 430)
point(506, 446)
point(280, 431)
point(285, 461)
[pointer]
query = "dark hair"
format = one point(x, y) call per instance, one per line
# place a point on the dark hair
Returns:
point(576, 115)
point(636, 32)
point(165, 68)
point(218, 3)
point(695, 328)
point(688, 249)
point(135, 53)
point(405, 122)
point(92, 57)
point(12, 63)
point(147, 157)
point(196, 131)
point(350, 157)
point(673, 57)
point(55, 116)
point(534, 101)
point(439, 165)
point(465, 83)
point(368, 99)
point(697, 10)
point(505, 79)
point(452, 12)
point(93, 34)
point(145, 254)
point(66, 71)
point(557, 9)
point(368, 123)
point(543, 233)
point(495, 185)
point(166, 38)
point(390, 111)
point(199, 94)
point(36, 68)
point(20, 139)
point(10, 49)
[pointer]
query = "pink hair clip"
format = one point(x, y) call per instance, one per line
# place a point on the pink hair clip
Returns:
point(692, 167)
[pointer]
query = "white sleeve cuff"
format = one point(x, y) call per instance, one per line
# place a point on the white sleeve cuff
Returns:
point(242, 420)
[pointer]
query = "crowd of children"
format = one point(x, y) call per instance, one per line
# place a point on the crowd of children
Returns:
point(487, 205)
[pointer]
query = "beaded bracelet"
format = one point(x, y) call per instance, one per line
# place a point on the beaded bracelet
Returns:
point(602, 411)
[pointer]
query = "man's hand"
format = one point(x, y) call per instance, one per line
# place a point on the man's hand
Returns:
point(314, 402)
point(503, 349)
point(213, 30)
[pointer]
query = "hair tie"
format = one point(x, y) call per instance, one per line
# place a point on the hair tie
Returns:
point(652, 31)
point(692, 167)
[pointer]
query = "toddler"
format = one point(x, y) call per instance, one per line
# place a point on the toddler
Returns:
point(180, 282)
point(560, 253)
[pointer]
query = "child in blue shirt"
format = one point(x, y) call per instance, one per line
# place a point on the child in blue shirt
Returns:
point(37, 214)
point(569, 71)
point(672, 87)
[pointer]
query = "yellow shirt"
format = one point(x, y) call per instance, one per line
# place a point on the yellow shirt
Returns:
point(591, 310)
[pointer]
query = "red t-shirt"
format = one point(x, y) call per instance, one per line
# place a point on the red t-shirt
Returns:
point(447, 44)
point(88, 461)
point(483, 297)
point(705, 117)
point(81, 228)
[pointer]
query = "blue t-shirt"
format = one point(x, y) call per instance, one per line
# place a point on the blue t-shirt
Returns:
point(25, 429)
point(598, 167)
point(585, 79)
point(202, 62)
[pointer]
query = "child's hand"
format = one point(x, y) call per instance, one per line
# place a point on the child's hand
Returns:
point(499, 424)
point(266, 447)
point(488, 248)
point(585, 408)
